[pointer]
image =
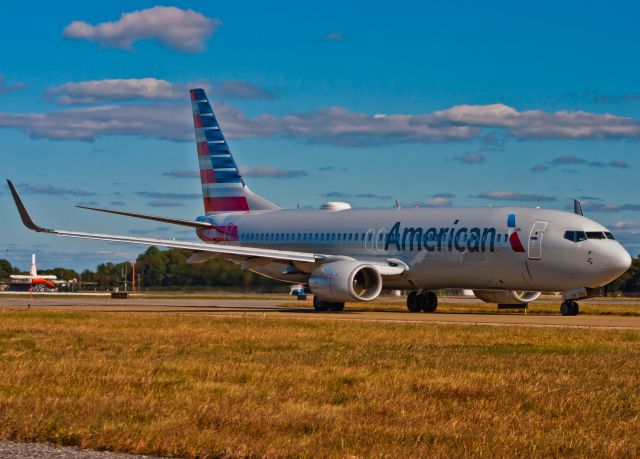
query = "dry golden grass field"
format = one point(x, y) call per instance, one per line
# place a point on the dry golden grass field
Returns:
point(198, 386)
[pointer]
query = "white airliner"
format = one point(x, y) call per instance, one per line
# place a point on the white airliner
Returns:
point(506, 255)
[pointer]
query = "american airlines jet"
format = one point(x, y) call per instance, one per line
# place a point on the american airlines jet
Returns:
point(505, 255)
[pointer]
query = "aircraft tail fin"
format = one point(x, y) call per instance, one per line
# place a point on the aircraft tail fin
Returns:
point(223, 188)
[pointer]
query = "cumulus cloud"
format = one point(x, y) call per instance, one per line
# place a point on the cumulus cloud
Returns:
point(539, 168)
point(373, 196)
point(591, 206)
point(512, 196)
point(437, 202)
point(444, 195)
point(241, 90)
point(471, 158)
point(41, 188)
point(97, 91)
point(271, 172)
point(182, 174)
point(178, 29)
point(626, 224)
point(9, 87)
point(164, 203)
point(336, 195)
point(336, 125)
point(168, 195)
point(575, 161)
point(335, 36)
point(169, 122)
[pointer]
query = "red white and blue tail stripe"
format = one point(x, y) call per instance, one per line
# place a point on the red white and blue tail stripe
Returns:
point(223, 189)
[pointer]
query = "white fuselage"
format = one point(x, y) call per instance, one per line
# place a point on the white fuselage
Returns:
point(470, 248)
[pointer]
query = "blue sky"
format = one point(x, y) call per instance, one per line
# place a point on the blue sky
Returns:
point(457, 103)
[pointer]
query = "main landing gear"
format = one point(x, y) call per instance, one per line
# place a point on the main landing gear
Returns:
point(426, 301)
point(322, 305)
point(569, 308)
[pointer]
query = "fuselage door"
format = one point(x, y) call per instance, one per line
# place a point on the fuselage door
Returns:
point(369, 242)
point(380, 240)
point(535, 240)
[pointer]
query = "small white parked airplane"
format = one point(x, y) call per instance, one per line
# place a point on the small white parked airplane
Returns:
point(506, 255)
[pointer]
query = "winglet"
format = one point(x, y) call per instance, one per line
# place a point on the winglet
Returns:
point(577, 207)
point(22, 210)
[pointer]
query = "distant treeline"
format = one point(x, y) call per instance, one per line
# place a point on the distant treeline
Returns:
point(164, 269)
point(168, 269)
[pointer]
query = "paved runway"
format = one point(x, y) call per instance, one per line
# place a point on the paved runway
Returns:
point(275, 308)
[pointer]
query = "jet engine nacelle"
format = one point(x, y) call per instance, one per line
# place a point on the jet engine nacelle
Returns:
point(346, 281)
point(506, 296)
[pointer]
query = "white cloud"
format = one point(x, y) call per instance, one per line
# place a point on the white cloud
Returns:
point(271, 172)
point(471, 158)
point(627, 224)
point(536, 124)
point(10, 87)
point(513, 196)
point(241, 90)
point(335, 125)
point(169, 122)
point(41, 188)
point(182, 174)
point(95, 91)
point(182, 30)
point(590, 206)
point(335, 36)
point(437, 202)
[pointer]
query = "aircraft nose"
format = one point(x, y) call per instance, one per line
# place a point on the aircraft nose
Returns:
point(617, 261)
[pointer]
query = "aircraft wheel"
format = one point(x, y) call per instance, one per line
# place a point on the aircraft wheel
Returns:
point(576, 309)
point(569, 308)
point(431, 302)
point(320, 305)
point(413, 302)
point(336, 306)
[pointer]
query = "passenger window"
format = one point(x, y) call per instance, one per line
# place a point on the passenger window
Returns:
point(350, 236)
point(609, 235)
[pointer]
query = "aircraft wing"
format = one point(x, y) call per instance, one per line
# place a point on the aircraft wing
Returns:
point(390, 267)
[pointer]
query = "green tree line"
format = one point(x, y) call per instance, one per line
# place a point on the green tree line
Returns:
point(164, 269)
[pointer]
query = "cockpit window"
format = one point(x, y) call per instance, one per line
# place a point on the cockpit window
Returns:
point(595, 235)
point(609, 235)
point(575, 236)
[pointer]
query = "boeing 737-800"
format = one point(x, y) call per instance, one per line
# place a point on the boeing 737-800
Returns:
point(505, 255)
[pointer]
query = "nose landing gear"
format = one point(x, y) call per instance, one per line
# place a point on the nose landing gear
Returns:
point(423, 301)
point(569, 308)
point(322, 305)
